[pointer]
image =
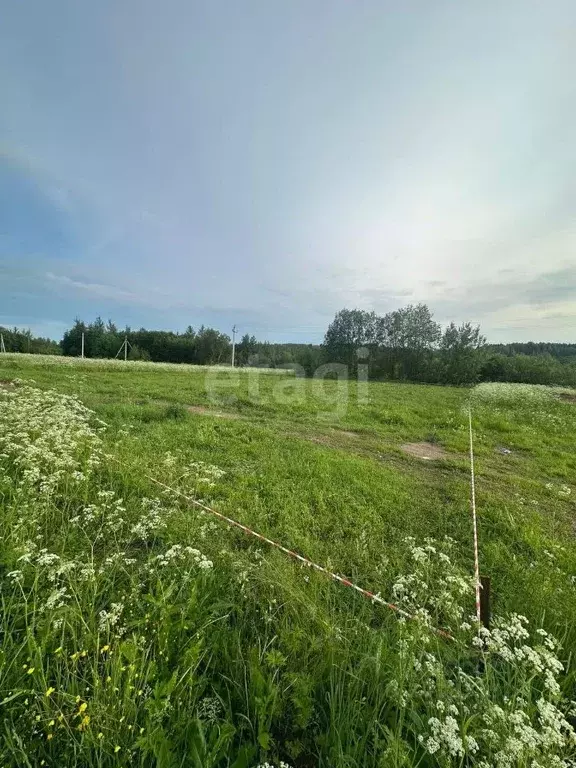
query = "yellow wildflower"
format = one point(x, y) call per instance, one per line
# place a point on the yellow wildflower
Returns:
point(49, 691)
point(85, 722)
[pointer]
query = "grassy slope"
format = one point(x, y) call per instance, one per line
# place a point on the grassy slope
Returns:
point(349, 499)
point(304, 478)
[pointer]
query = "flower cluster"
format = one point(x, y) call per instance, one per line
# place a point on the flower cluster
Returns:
point(177, 554)
point(563, 491)
point(281, 764)
point(510, 715)
point(509, 393)
point(48, 438)
point(435, 588)
point(152, 520)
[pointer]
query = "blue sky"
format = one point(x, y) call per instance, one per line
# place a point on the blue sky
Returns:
point(269, 162)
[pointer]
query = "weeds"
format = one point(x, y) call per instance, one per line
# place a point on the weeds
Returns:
point(137, 631)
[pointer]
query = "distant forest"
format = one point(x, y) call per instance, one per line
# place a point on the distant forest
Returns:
point(407, 344)
point(566, 352)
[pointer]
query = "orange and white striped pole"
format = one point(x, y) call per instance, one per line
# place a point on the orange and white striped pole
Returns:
point(474, 520)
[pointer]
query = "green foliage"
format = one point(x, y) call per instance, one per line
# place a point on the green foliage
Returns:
point(186, 643)
point(399, 345)
point(351, 330)
point(563, 352)
point(20, 340)
point(246, 350)
point(205, 347)
point(175, 412)
point(528, 369)
point(459, 358)
point(406, 344)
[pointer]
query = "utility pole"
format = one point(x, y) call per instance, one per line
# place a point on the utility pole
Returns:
point(82, 343)
point(234, 331)
point(2, 345)
point(125, 345)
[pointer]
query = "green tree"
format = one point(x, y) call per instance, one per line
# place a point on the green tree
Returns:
point(406, 339)
point(72, 341)
point(460, 356)
point(350, 330)
point(212, 347)
point(246, 349)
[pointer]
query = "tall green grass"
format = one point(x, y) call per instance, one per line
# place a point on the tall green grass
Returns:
point(137, 631)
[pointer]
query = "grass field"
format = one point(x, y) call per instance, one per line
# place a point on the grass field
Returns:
point(136, 630)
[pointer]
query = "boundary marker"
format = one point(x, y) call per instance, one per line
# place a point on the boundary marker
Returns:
point(375, 598)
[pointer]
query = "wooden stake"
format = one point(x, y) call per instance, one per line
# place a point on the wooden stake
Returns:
point(485, 612)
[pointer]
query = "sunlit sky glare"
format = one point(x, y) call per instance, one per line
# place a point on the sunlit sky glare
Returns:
point(268, 162)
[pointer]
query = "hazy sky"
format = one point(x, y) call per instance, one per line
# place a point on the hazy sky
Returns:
point(268, 162)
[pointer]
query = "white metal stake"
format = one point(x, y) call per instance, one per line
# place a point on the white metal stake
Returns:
point(233, 344)
point(82, 343)
point(474, 519)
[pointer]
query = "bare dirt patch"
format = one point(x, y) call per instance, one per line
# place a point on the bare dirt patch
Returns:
point(568, 397)
point(332, 439)
point(424, 451)
point(318, 439)
point(203, 411)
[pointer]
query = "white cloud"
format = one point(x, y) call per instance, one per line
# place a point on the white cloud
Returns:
point(289, 163)
point(96, 289)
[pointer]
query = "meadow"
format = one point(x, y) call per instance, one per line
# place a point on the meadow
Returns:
point(138, 630)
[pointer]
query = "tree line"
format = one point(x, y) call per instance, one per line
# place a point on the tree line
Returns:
point(408, 344)
point(206, 346)
point(564, 352)
point(405, 345)
point(20, 340)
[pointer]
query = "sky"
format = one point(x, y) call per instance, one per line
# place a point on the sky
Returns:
point(266, 163)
